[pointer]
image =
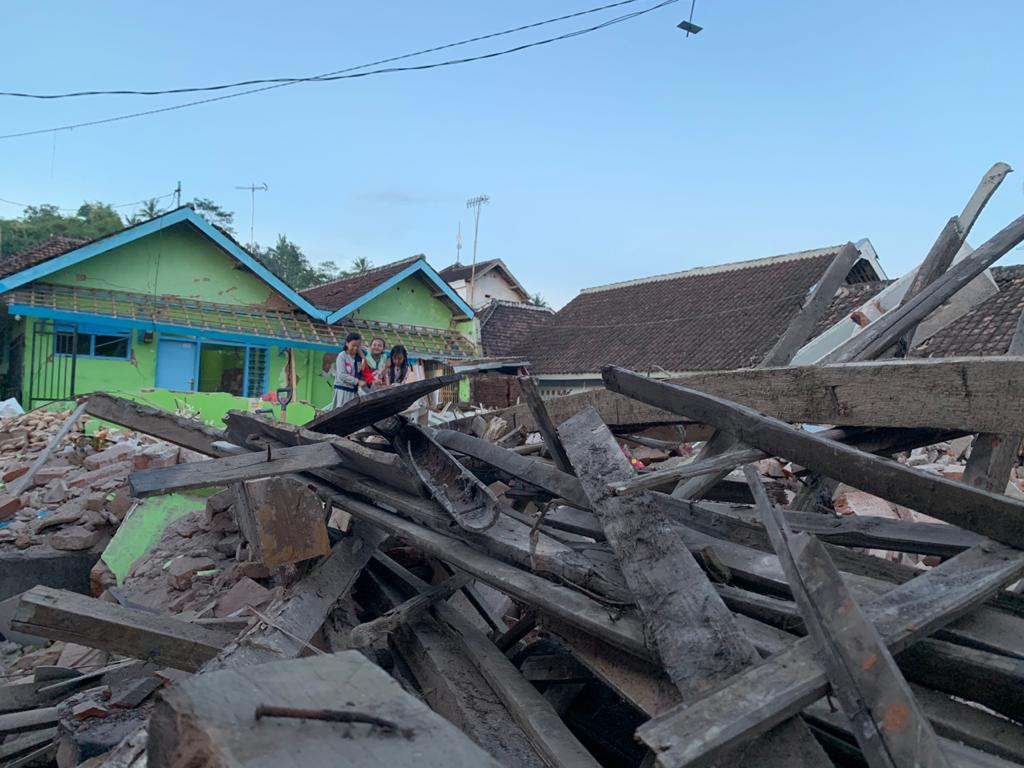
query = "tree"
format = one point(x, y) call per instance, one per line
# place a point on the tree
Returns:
point(361, 264)
point(38, 223)
point(215, 214)
point(286, 260)
point(149, 210)
point(539, 301)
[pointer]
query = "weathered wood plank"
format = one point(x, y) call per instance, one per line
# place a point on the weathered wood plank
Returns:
point(367, 633)
point(232, 469)
point(74, 618)
point(792, 679)
point(800, 327)
point(299, 614)
point(551, 479)
point(727, 462)
point(889, 726)
point(998, 517)
point(541, 417)
point(698, 642)
point(24, 482)
point(188, 433)
point(573, 607)
point(545, 729)
point(377, 404)
point(966, 394)
point(886, 330)
point(209, 719)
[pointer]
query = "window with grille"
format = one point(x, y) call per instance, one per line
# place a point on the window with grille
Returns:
point(92, 341)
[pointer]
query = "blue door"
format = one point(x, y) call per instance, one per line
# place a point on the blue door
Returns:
point(176, 365)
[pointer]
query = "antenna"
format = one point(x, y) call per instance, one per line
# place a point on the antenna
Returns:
point(253, 189)
point(475, 203)
point(177, 196)
point(458, 244)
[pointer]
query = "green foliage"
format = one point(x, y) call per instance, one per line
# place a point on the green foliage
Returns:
point(538, 301)
point(38, 223)
point(286, 260)
point(215, 214)
point(362, 264)
point(149, 210)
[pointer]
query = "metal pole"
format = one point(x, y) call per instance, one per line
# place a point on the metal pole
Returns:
point(475, 203)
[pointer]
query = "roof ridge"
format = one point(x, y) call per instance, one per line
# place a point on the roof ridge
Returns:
point(365, 272)
point(734, 266)
point(521, 305)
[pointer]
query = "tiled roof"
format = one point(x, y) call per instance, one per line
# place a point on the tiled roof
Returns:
point(703, 319)
point(459, 271)
point(986, 329)
point(32, 257)
point(227, 320)
point(504, 325)
point(337, 293)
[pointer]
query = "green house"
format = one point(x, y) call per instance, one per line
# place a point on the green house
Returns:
point(176, 312)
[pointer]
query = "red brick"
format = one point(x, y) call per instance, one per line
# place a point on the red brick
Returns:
point(48, 474)
point(89, 709)
point(9, 506)
point(74, 538)
point(13, 473)
point(112, 455)
point(100, 476)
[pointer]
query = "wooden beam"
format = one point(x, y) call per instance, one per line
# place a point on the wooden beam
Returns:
point(802, 325)
point(792, 679)
point(890, 728)
point(980, 511)
point(965, 394)
point(547, 733)
point(23, 483)
point(210, 719)
point(886, 330)
point(231, 469)
point(727, 462)
point(541, 417)
point(551, 479)
point(298, 616)
point(377, 404)
point(699, 644)
point(366, 634)
point(188, 433)
point(572, 606)
point(60, 615)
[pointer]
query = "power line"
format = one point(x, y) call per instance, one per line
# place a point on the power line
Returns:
point(75, 210)
point(353, 74)
point(324, 76)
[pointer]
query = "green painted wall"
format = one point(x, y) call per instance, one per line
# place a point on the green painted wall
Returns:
point(411, 301)
point(177, 261)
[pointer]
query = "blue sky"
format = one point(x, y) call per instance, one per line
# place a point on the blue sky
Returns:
point(627, 152)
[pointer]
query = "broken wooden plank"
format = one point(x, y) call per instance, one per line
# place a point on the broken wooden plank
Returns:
point(291, 622)
point(792, 679)
point(546, 731)
point(377, 404)
point(998, 517)
point(943, 393)
point(231, 469)
point(727, 462)
point(24, 482)
point(698, 642)
point(572, 606)
point(886, 330)
point(30, 720)
point(800, 327)
point(281, 520)
point(551, 479)
point(211, 718)
point(246, 429)
point(469, 502)
point(188, 433)
point(367, 633)
point(62, 615)
point(889, 726)
point(541, 417)
point(449, 682)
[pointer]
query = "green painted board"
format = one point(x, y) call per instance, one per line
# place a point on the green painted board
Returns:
point(143, 528)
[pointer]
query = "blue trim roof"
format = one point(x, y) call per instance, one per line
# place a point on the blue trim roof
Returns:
point(420, 265)
point(170, 219)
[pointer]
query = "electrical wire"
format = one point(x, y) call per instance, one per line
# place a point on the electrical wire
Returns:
point(351, 74)
point(75, 210)
point(325, 75)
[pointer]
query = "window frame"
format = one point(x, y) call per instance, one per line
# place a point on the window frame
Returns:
point(91, 332)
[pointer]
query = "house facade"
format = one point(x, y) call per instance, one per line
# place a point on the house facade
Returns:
point(175, 304)
point(489, 281)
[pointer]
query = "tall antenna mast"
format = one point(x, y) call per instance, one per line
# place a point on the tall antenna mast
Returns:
point(476, 203)
point(253, 189)
point(458, 244)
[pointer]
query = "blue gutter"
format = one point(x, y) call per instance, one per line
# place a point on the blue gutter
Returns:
point(420, 265)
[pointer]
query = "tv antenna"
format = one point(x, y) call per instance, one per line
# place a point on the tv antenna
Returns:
point(253, 189)
point(475, 203)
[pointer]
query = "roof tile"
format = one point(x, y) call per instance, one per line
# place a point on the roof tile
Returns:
point(336, 294)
